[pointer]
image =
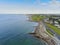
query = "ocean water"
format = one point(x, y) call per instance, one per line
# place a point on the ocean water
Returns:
point(14, 30)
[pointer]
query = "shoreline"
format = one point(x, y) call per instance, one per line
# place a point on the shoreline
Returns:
point(42, 38)
point(33, 34)
point(40, 32)
point(46, 40)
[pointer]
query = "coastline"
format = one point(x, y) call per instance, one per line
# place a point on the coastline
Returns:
point(38, 38)
point(46, 40)
point(38, 34)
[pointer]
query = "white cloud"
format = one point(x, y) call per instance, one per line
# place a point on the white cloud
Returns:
point(45, 8)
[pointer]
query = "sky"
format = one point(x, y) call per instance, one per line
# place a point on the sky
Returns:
point(29, 6)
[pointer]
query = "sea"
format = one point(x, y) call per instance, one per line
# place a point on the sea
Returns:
point(15, 29)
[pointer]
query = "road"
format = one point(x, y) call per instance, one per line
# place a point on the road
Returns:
point(56, 37)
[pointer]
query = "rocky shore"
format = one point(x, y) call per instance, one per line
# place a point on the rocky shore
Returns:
point(40, 32)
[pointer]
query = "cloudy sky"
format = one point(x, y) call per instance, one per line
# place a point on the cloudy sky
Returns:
point(29, 6)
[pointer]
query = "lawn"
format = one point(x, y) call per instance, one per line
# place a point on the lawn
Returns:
point(37, 17)
point(57, 30)
point(49, 32)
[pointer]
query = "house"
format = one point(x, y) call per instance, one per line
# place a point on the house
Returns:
point(56, 23)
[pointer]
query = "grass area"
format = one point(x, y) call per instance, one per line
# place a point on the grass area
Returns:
point(57, 30)
point(49, 32)
point(37, 17)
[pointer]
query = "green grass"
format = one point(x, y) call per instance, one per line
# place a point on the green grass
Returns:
point(37, 17)
point(49, 32)
point(57, 30)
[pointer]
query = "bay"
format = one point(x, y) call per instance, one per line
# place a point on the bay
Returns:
point(14, 30)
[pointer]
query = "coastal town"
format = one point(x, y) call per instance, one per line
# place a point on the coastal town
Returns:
point(48, 28)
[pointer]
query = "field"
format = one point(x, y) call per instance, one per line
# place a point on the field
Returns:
point(37, 17)
point(57, 30)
